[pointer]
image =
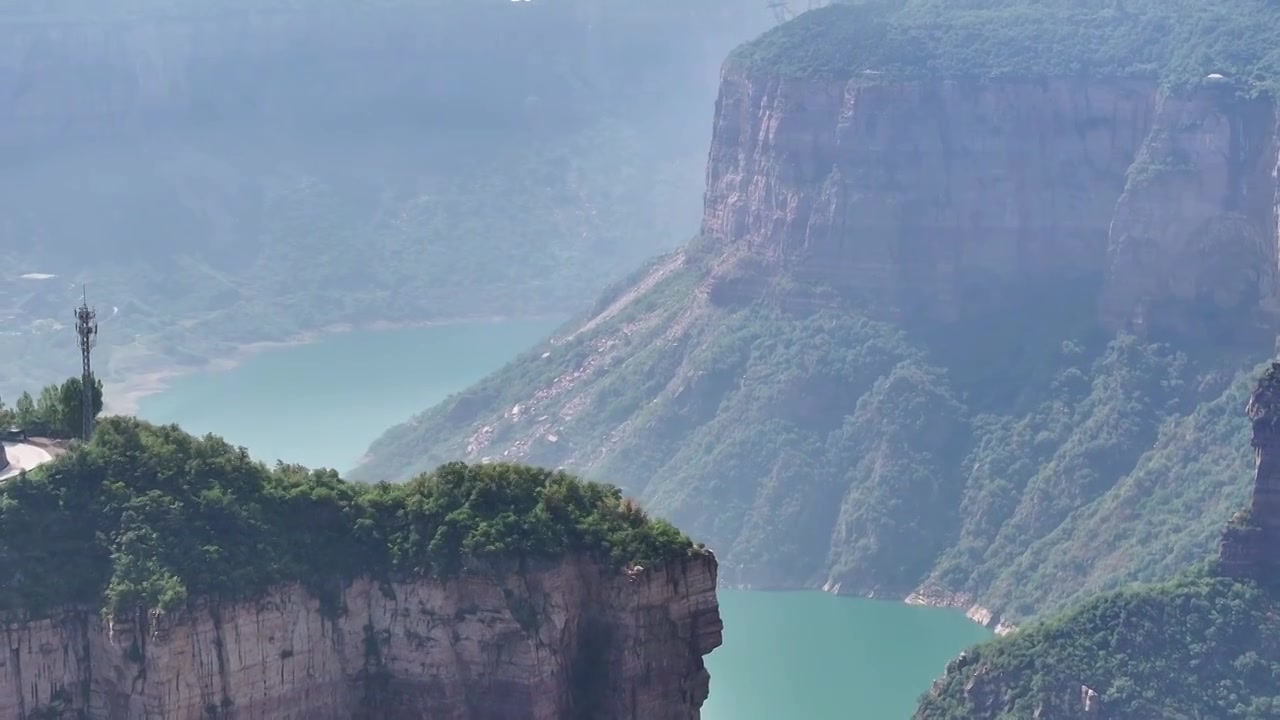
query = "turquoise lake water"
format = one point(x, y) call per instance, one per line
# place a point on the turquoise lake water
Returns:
point(786, 656)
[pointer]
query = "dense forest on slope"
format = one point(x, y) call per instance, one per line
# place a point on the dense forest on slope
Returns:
point(1196, 647)
point(1177, 42)
point(151, 516)
point(228, 173)
point(1032, 469)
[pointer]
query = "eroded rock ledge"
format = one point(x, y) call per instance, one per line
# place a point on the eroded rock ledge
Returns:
point(562, 640)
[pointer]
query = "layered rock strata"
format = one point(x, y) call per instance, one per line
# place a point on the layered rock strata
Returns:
point(933, 197)
point(560, 641)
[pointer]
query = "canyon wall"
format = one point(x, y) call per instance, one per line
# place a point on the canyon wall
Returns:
point(554, 641)
point(931, 198)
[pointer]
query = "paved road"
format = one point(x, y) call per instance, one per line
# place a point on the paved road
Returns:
point(23, 457)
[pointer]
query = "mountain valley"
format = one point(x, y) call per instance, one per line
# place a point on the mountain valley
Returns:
point(979, 342)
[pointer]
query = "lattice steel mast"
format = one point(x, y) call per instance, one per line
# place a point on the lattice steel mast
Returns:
point(87, 330)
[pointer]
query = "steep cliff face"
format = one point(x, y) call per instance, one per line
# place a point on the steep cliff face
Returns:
point(922, 194)
point(939, 198)
point(564, 640)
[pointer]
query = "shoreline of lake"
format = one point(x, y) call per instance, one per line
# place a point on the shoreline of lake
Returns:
point(125, 397)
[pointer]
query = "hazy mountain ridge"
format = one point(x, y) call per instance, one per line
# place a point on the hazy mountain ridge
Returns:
point(228, 175)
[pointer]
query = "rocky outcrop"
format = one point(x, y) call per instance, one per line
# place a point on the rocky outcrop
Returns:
point(1249, 543)
point(4, 459)
point(937, 198)
point(559, 641)
point(986, 695)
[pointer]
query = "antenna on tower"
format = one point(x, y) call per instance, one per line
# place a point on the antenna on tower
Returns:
point(87, 330)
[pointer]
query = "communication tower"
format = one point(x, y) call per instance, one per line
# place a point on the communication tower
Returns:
point(87, 330)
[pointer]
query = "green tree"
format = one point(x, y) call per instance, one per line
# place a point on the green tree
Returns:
point(25, 410)
point(58, 411)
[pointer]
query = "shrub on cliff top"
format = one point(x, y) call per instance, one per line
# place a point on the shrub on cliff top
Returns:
point(151, 516)
point(1178, 43)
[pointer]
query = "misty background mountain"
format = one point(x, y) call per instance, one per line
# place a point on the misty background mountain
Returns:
point(221, 174)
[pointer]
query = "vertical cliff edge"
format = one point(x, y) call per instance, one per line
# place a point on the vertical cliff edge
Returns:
point(941, 199)
point(551, 640)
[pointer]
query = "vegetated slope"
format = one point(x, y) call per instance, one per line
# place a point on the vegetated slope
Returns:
point(224, 175)
point(147, 516)
point(980, 339)
point(1196, 647)
point(1204, 645)
point(1176, 43)
point(1041, 464)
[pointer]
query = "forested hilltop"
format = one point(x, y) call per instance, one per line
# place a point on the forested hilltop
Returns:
point(151, 517)
point(226, 173)
point(1178, 42)
point(978, 338)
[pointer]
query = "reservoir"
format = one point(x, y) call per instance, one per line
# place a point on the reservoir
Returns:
point(785, 656)
point(322, 403)
point(815, 655)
